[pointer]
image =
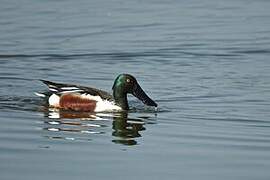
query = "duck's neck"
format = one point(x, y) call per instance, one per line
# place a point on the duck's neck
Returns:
point(120, 98)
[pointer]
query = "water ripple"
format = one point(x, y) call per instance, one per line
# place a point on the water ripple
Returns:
point(125, 130)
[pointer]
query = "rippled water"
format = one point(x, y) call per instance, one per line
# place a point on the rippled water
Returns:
point(206, 63)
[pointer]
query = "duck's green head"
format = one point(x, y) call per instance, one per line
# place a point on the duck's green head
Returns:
point(126, 84)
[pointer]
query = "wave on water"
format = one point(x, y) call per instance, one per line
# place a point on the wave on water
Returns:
point(19, 103)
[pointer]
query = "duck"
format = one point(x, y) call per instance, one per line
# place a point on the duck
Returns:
point(88, 99)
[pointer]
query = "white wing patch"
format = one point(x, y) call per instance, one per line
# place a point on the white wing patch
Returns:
point(52, 89)
point(71, 91)
point(64, 90)
point(69, 88)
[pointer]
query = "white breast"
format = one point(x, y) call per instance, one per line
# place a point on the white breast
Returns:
point(102, 105)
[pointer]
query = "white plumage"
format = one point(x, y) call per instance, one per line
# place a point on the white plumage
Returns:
point(101, 105)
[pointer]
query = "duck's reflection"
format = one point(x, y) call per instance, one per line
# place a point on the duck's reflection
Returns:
point(125, 130)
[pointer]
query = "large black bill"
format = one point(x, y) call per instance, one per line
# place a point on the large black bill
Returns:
point(140, 94)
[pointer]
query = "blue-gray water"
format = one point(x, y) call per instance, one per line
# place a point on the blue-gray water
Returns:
point(206, 63)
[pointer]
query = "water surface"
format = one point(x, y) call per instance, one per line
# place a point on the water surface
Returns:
point(206, 63)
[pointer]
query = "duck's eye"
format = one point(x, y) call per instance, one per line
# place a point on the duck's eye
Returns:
point(128, 80)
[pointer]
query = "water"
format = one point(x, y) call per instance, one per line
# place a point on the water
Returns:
point(206, 63)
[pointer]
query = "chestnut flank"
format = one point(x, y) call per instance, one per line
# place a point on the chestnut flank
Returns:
point(77, 103)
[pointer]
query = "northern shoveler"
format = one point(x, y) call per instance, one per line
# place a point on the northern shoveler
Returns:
point(80, 98)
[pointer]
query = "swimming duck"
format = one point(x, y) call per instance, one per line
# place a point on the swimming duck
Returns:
point(81, 98)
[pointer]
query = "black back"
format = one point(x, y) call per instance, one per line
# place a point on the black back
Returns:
point(61, 88)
